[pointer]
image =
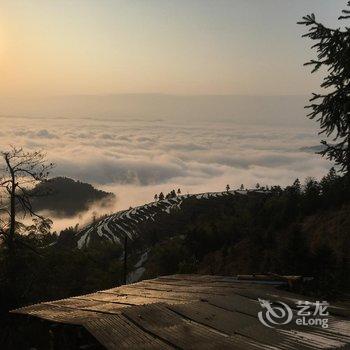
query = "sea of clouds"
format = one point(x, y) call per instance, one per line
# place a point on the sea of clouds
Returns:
point(136, 159)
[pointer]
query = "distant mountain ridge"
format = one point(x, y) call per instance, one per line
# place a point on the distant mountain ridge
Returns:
point(247, 109)
point(65, 197)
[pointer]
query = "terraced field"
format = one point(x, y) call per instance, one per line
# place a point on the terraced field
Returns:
point(114, 227)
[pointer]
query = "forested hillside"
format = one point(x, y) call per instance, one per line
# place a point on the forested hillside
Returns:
point(66, 197)
point(300, 230)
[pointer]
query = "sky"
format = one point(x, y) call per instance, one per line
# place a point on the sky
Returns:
point(240, 47)
point(138, 97)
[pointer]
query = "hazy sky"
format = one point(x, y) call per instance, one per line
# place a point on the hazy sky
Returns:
point(50, 47)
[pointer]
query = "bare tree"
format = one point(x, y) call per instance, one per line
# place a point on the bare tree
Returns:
point(19, 174)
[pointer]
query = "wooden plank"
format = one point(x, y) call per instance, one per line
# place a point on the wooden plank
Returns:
point(231, 323)
point(105, 297)
point(169, 296)
point(236, 303)
point(90, 305)
point(214, 279)
point(117, 332)
point(339, 327)
point(197, 278)
point(188, 284)
point(338, 330)
point(180, 289)
point(176, 330)
point(149, 297)
point(222, 287)
point(58, 314)
point(290, 337)
point(228, 322)
point(213, 282)
point(75, 303)
point(108, 297)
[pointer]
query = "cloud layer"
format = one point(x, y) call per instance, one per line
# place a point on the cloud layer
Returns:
point(137, 159)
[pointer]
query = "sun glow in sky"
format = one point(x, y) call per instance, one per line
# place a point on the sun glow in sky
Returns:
point(142, 96)
point(250, 47)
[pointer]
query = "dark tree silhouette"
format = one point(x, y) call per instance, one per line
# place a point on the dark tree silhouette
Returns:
point(19, 173)
point(296, 187)
point(332, 109)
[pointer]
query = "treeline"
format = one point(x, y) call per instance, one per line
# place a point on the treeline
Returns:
point(171, 194)
point(302, 229)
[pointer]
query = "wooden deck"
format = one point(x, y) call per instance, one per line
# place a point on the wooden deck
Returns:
point(192, 312)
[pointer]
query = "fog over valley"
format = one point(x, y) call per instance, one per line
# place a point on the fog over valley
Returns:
point(137, 158)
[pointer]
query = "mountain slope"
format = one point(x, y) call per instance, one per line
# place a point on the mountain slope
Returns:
point(135, 222)
point(66, 197)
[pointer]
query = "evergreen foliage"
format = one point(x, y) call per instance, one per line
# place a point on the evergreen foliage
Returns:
point(301, 229)
point(332, 108)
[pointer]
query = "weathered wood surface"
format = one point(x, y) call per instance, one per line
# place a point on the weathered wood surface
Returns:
point(192, 312)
